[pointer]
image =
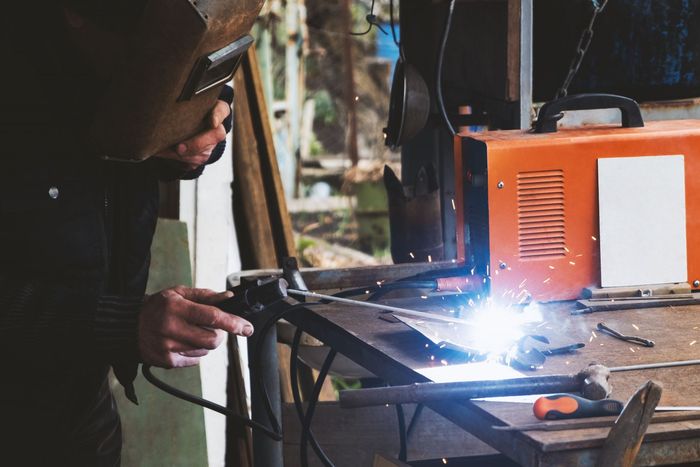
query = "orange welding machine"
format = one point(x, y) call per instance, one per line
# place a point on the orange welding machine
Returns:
point(527, 202)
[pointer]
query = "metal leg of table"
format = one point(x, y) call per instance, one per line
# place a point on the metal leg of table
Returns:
point(266, 451)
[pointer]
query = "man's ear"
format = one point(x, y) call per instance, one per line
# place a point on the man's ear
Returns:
point(73, 19)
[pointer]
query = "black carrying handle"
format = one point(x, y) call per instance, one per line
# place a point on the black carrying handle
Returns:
point(551, 112)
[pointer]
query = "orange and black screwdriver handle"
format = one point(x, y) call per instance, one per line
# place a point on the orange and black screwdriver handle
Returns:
point(562, 406)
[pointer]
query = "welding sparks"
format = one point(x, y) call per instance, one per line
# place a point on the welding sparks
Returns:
point(444, 362)
point(573, 263)
point(427, 346)
point(546, 280)
point(594, 334)
point(692, 343)
point(522, 284)
point(454, 208)
point(495, 328)
point(430, 259)
point(594, 239)
point(635, 326)
point(432, 357)
point(444, 461)
point(412, 255)
point(424, 297)
point(590, 339)
point(631, 350)
point(551, 267)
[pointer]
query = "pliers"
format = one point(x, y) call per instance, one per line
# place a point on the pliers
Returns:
point(631, 339)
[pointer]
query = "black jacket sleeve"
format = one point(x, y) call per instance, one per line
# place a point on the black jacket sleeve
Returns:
point(67, 316)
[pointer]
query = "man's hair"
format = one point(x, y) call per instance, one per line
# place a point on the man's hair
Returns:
point(111, 14)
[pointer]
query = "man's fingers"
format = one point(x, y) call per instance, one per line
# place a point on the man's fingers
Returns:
point(194, 353)
point(209, 316)
point(181, 330)
point(205, 296)
point(204, 142)
point(219, 113)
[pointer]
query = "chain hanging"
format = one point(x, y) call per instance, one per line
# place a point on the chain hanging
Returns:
point(581, 48)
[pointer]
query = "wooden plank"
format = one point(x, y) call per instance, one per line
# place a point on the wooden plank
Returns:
point(253, 226)
point(272, 183)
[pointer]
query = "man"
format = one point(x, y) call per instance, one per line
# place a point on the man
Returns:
point(75, 234)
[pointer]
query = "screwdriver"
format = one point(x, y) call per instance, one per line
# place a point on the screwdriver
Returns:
point(562, 406)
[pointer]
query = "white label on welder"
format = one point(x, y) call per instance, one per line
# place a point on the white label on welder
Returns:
point(641, 203)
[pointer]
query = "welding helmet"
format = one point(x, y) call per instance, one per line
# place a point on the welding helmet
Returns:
point(180, 53)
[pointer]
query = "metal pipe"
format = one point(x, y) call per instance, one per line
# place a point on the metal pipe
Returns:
point(434, 392)
point(651, 366)
point(405, 311)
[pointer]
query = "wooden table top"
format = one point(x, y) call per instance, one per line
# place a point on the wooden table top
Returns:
point(393, 352)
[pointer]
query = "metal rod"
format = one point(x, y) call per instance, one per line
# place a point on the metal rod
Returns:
point(405, 311)
point(651, 366)
point(434, 392)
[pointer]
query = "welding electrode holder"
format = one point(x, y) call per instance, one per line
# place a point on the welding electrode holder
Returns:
point(249, 300)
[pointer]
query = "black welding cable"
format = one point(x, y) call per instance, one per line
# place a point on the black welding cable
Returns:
point(403, 441)
point(392, 24)
point(293, 370)
point(306, 426)
point(438, 75)
point(151, 378)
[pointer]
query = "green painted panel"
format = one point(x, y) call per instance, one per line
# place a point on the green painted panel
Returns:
point(162, 430)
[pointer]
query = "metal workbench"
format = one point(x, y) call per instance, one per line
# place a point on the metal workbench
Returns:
point(393, 352)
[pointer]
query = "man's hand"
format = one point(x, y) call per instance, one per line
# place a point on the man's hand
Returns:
point(197, 150)
point(177, 326)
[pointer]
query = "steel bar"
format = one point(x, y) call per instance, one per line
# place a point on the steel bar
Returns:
point(394, 309)
point(651, 366)
point(586, 424)
point(432, 392)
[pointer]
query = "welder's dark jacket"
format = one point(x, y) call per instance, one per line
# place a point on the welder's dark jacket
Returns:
point(75, 235)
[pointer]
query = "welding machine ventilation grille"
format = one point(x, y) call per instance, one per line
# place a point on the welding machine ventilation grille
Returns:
point(541, 221)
